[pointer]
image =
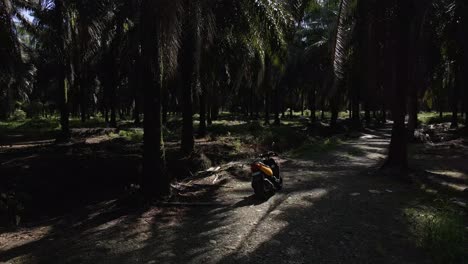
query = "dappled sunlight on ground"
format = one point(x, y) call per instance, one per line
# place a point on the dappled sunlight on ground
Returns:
point(452, 174)
point(12, 240)
point(333, 209)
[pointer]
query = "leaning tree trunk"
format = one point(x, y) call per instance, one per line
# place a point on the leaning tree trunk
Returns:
point(155, 181)
point(397, 160)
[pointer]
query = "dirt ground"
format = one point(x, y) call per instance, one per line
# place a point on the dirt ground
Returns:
point(335, 208)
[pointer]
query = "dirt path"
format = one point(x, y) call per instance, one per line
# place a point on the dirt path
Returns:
point(334, 209)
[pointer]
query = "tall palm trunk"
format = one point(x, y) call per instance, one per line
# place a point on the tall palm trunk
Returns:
point(367, 114)
point(456, 94)
point(334, 108)
point(355, 106)
point(412, 111)
point(202, 127)
point(10, 51)
point(190, 59)
point(113, 100)
point(209, 107)
point(165, 102)
point(62, 72)
point(155, 181)
point(83, 94)
point(398, 155)
point(276, 106)
point(267, 108)
point(313, 104)
point(416, 80)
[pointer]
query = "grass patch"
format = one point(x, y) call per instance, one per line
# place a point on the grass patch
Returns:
point(440, 230)
point(133, 135)
point(356, 152)
point(316, 147)
point(93, 122)
point(30, 126)
point(285, 137)
point(429, 118)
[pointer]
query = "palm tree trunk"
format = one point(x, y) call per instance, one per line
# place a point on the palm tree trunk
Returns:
point(61, 78)
point(334, 105)
point(64, 106)
point(398, 156)
point(276, 107)
point(302, 103)
point(83, 94)
point(267, 108)
point(134, 81)
point(209, 106)
point(202, 127)
point(456, 94)
point(367, 115)
point(113, 102)
point(384, 114)
point(165, 101)
point(412, 112)
point(155, 182)
point(189, 62)
point(312, 104)
point(356, 107)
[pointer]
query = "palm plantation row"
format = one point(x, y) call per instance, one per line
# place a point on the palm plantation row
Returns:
point(144, 58)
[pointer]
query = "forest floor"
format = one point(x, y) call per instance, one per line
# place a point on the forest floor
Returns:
point(336, 206)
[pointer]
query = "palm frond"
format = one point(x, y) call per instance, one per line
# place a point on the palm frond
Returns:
point(339, 42)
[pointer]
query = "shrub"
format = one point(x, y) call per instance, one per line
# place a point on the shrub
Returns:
point(34, 109)
point(18, 115)
point(441, 232)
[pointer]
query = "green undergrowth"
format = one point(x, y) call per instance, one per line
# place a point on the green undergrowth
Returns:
point(439, 229)
point(278, 138)
point(429, 118)
point(133, 135)
point(314, 147)
point(42, 125)
point(30, 126)
point(94, 122)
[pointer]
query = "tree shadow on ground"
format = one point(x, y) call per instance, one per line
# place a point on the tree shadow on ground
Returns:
point(315, 219)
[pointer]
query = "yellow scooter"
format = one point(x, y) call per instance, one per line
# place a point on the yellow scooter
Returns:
point(266, 179)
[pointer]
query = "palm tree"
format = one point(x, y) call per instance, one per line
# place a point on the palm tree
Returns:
point(190, 65)
point(10, 55)
point(159, 37)
point(59, 24)
point(397, 157)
